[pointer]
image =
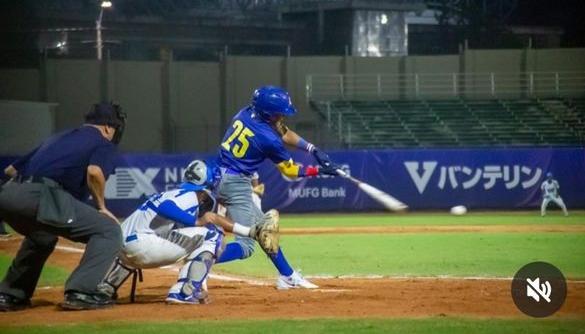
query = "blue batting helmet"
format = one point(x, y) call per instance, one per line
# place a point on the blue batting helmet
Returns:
point(269, 101)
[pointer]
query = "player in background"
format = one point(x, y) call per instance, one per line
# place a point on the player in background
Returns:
point(550, 192)
point(257, 190)
point(180, 225)
point(256, 133)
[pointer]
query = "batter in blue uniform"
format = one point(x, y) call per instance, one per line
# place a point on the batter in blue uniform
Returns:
point(257, 133)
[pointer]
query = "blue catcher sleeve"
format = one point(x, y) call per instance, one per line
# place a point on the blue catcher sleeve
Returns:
point(170, 210)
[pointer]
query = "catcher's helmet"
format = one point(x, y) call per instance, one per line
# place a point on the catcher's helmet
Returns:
point(269, 101)
point(202, 174)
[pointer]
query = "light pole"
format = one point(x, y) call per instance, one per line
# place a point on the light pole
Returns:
point(98, 27)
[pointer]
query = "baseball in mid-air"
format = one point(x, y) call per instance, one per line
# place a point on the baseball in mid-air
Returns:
point(458, 210)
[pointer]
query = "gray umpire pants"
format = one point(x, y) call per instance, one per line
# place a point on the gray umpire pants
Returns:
point(19, 207)
point(235, 191)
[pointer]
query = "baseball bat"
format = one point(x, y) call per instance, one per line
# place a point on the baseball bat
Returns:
point(383, 198)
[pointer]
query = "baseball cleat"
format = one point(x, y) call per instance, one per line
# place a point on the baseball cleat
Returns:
point(194, 299)
point(9, 303)
point(294, 281)
point(78, 301)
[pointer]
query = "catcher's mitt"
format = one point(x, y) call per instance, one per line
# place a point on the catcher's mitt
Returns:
point(266, 232)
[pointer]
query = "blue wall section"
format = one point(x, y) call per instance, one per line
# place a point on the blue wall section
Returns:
point(436, 179)
point(423, 179)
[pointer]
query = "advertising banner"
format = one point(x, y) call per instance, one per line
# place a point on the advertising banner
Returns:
point(421, 178)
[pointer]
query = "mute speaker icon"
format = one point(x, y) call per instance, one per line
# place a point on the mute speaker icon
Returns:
point(536, 290)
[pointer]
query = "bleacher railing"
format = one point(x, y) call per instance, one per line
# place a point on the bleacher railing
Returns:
point(327, 87)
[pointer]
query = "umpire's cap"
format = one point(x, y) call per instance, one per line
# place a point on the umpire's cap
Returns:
point(108, 113)
point(105, 113)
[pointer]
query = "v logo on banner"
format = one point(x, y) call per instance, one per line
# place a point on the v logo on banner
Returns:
point(420, 180)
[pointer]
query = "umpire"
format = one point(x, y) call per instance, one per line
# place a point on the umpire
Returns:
point(46, 200)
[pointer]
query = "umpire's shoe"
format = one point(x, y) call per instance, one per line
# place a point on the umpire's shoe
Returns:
point(9, 303)
point(77, 301)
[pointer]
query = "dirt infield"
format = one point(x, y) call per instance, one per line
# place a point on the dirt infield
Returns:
point(381, 297)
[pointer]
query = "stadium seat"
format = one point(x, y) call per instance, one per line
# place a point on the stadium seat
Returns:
point(456, 122)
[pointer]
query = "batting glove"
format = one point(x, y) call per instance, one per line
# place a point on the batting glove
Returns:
point(329, 170)
point(322, 157)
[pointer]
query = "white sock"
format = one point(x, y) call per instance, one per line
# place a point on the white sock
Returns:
point(241, 230)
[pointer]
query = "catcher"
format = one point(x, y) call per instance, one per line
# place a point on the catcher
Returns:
point(181, 225)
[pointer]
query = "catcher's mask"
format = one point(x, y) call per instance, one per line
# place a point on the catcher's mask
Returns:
point(109, 114)
point(203, 174)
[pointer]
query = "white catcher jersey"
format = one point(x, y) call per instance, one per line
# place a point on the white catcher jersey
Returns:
point(164, 212)
point(551, 189)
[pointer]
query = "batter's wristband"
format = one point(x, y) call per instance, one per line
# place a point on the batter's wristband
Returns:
point(310, 171)
point(305, 145)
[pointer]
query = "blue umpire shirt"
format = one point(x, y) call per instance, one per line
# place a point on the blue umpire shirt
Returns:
point(64, 158)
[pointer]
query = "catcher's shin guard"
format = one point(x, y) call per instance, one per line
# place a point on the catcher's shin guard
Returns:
point(115, 277)
point(192, 276)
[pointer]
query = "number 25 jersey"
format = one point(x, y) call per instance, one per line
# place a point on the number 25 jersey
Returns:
point(248, 141)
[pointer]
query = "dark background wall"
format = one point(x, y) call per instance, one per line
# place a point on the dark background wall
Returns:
point(183, 106)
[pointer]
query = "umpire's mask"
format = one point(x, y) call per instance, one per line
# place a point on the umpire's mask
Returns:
point(109, 114)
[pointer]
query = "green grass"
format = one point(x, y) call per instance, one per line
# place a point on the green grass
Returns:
point(354, 326)
point(411, 254)
point(480, 218)
point(51, 275)
point(422, 254)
